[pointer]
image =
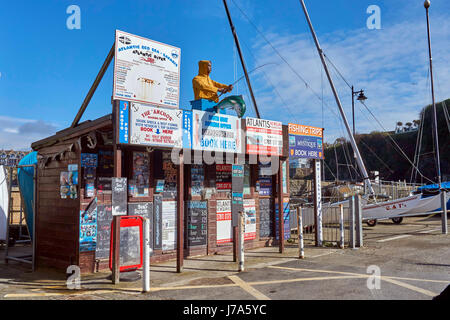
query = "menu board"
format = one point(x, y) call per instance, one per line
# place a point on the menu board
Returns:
point(155, 126)
point(169, 213)
point(119, 196)
point(157, 221)
point(265, 218)
point(224, 228)
point(250, 219)
point(264, 137)
point(223, 177)
point(143, 209)
point(197, 223)
point(146, 71)
point(130, 245)
point(104, 220)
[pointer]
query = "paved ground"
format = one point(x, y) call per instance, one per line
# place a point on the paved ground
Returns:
point(413, 260)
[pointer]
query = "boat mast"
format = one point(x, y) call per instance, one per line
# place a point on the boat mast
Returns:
point(233, 30)
point(338, 101)
point(435, 126)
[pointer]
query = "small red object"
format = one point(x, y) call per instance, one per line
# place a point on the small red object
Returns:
point(126, 222)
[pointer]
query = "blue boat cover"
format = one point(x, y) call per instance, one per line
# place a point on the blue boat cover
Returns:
point(444, 185)
point(26, 184)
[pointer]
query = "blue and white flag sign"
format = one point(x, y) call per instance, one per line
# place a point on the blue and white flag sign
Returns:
point(124, 129)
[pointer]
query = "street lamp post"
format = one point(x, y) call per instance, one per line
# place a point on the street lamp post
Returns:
point(361, 97)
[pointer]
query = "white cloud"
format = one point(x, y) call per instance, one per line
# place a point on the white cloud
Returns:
point(391, 65)
point(19, 133)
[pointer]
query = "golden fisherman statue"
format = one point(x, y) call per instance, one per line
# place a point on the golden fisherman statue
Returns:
point(204, 87)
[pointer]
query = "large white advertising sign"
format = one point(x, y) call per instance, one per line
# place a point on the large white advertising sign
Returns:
point(264, 137)
point(216, 132)
point(224, 228)
point(155, 126)
point(146, 71)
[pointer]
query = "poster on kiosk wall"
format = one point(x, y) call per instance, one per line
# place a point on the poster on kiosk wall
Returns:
point(146, 71)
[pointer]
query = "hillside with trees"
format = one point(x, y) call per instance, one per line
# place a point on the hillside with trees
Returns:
point(380, 153)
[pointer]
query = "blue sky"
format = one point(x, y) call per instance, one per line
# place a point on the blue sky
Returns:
point(46, 69)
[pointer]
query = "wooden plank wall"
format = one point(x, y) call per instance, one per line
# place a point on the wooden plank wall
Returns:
point(56, 219)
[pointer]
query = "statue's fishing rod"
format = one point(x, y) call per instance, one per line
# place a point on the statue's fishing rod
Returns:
point(263, 65)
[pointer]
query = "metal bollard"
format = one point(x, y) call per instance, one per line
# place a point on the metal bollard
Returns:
point(301, 247)
point(358, 221)
point(241, 241)
point(444, 212)
point(341, 219)
point(147, 251)
point(351, 212)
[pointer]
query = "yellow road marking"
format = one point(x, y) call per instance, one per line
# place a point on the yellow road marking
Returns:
point(410, 287)
point(255, 283)
point(241, 283)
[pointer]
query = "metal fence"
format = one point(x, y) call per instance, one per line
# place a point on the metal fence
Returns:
point(331, 224)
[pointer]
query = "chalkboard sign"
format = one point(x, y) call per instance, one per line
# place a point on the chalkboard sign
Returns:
point(265, 218)
point(145, 210)
point(104, 219)
point(130, 244)
point(119, 196)
point(157, 219)
point(197, 223)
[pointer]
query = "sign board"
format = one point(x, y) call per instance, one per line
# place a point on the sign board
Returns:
point(209, 131)
point(264, 137)
point(250, 219)
point(224, 229)
point(318, 199)
point(169, 211)
point(119, 196)
point(197, 223)
point(146, 71)
point(305, 142)
point(265, 218)
point(224, 178)
point(157, 219)
point(237, 196)
point(131, 243)
point(104, 220)
point(154, 126)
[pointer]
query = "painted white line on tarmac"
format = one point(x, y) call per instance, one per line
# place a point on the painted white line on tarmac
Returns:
point(395, 238)
point(428, 231)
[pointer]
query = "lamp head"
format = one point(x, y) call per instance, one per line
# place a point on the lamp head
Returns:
point(427, 4)
point(361, 96)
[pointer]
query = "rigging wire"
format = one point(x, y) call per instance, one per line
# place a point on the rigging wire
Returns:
point(395, 143)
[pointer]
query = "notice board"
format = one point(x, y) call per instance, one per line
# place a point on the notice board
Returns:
point(104, 220)
point(196, 223)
